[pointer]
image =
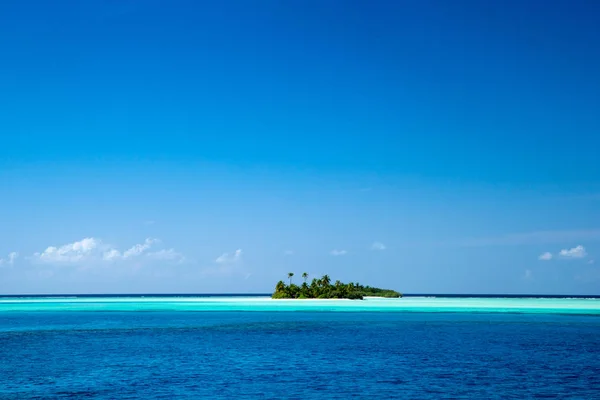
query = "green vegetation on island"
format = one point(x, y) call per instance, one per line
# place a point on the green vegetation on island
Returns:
point(323, 289)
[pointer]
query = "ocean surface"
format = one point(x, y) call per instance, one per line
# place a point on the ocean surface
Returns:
point(243, 347)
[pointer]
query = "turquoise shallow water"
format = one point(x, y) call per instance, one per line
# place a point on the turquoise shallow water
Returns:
point(256, 303)
point(214, 348)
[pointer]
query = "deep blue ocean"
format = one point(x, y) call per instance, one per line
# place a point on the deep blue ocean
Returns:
point(298, 355)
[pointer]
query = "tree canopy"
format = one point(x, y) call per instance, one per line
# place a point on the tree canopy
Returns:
point(323, 289)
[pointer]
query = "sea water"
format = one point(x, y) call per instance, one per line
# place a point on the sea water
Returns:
point(253, 347)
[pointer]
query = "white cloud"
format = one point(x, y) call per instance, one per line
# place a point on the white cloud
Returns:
point(288, 253)
point(166, 254)
point(338, 252)
point(378, 246)
point(227, 258)
point(94, 250)
point(69, 253)
point(575, 252)
point(227, 264)
point(139, 248)
point(545, 256)
point(591, 262)
point(528, 274)
point(111, 255)
point(11, 258)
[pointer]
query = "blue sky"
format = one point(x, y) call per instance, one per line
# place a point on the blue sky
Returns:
point(187, 146)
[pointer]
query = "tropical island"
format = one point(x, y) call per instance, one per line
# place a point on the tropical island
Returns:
point(323, 289)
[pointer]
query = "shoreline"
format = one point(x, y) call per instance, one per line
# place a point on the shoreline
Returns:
point(310, 299)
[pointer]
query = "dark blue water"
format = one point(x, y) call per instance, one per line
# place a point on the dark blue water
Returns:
point(297, 355)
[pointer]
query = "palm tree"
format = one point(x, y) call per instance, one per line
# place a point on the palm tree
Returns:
point(290, 274)
point(326, 280)
point(314, 287)
point(304, 291)
point(351, 287)
point(280, 286)
point(304, 276)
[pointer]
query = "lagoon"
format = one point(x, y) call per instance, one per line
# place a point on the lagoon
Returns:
point(264, 303)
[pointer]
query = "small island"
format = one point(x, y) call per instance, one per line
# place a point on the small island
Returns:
point(323, 289)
